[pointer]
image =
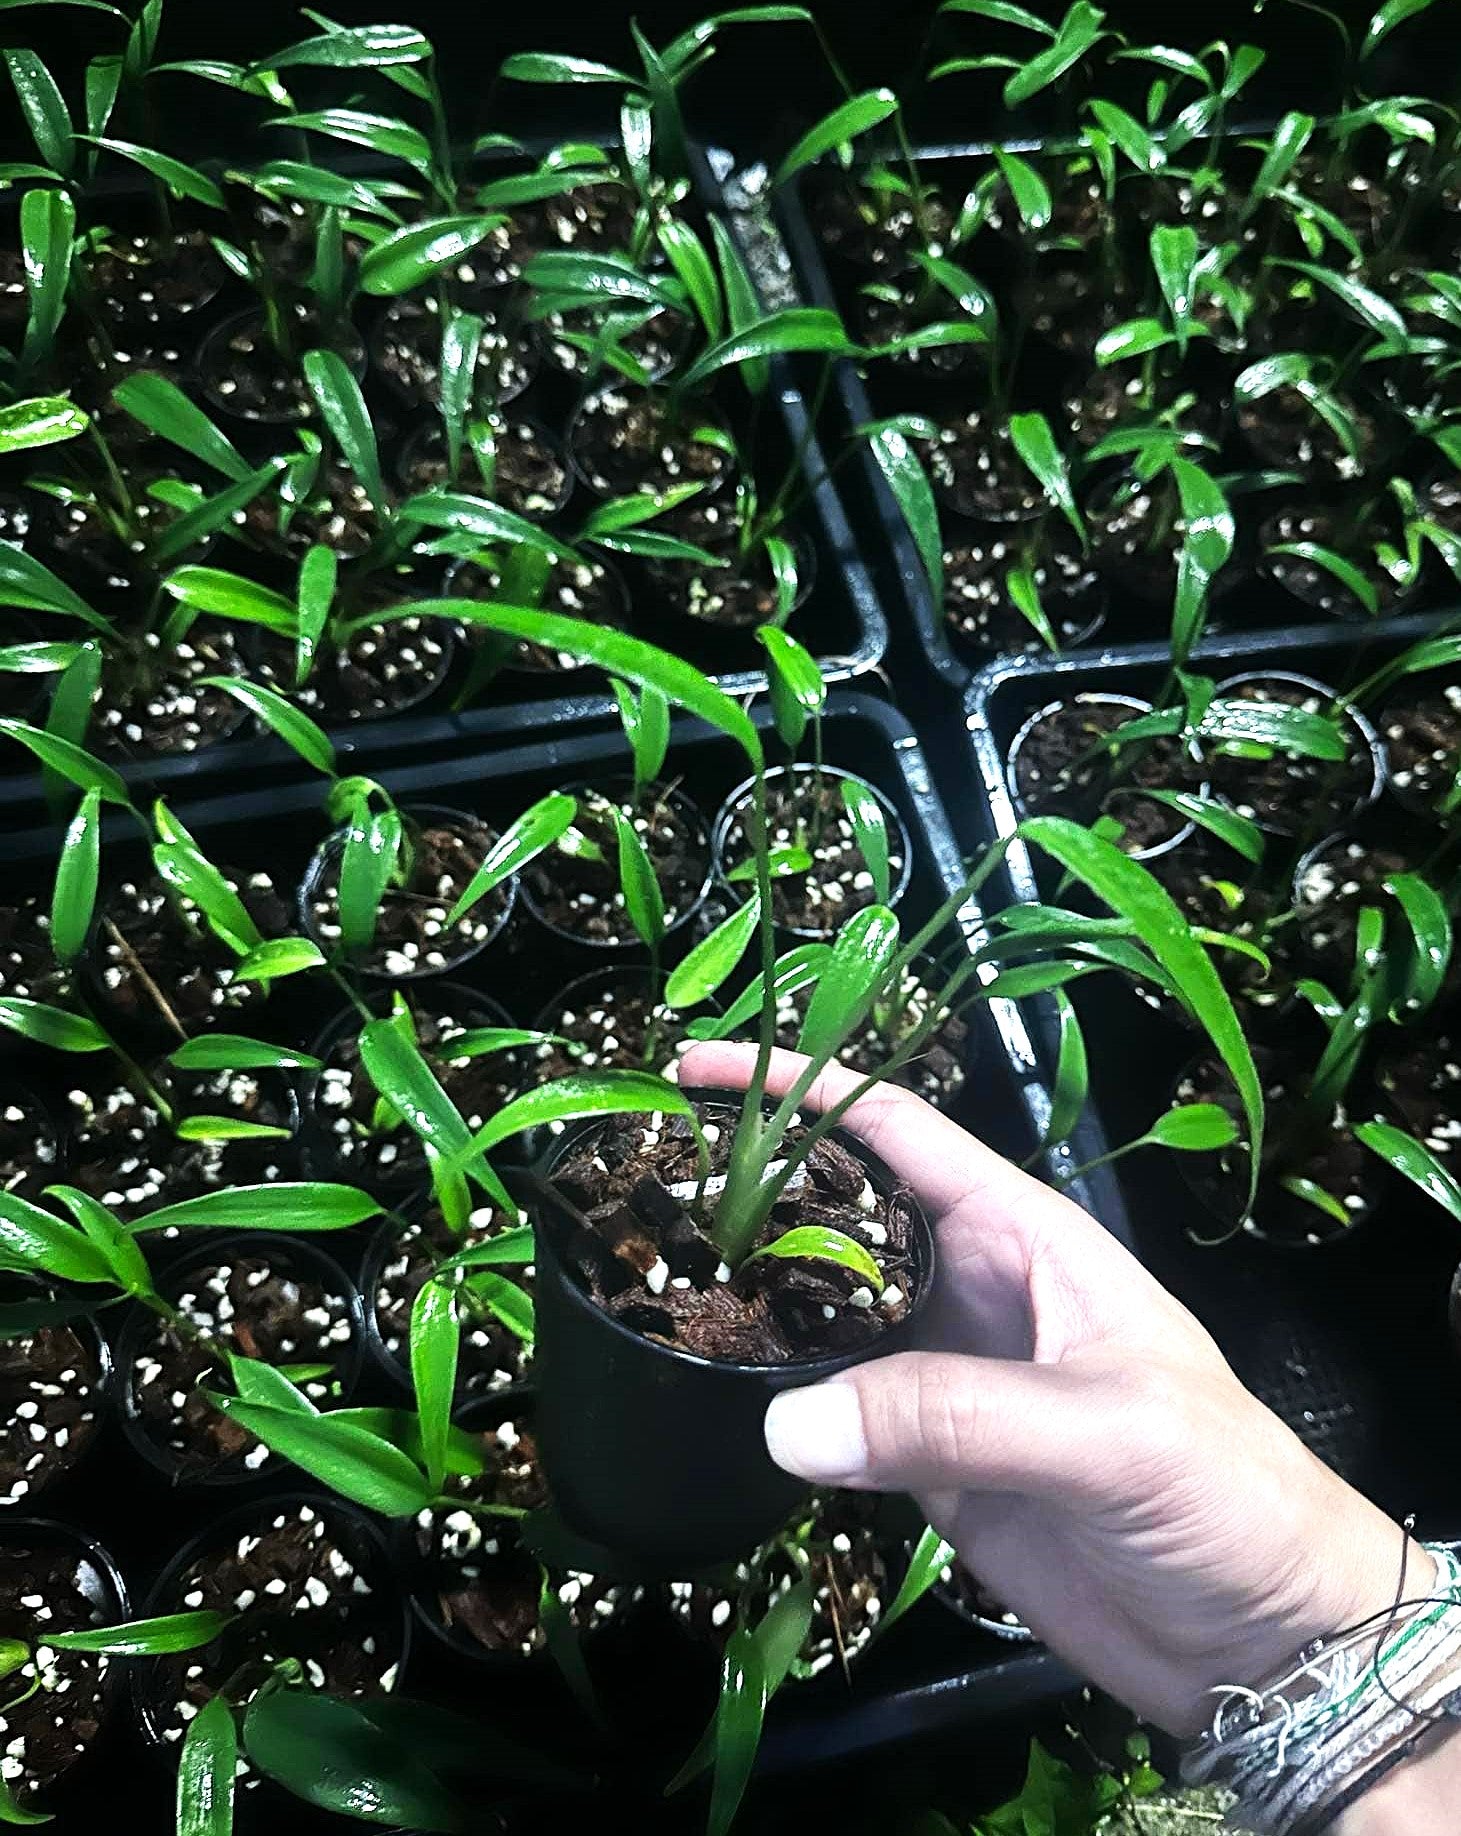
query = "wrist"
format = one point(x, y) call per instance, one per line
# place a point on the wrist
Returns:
point(1419, 1798)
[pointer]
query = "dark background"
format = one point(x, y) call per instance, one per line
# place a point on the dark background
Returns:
point(764, 83)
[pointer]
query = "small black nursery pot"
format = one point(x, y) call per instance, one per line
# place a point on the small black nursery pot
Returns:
point(272, 1296)
point(655, 1452)
point(807, 799)
point(54, 1578)
point(55, 1388)
point(306, 1577)
point(1294, 796)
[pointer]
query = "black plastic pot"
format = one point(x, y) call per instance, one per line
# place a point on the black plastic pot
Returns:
point(653, 1451)
point(706, 415)
point(1369, 739)
point(617, 788)
point(667, 580)
point(428, 436)
point(1021, 739)
point(326, 1161)
point(212, 344)
point(352, 1528)
point(325, 857)
point(730, 811)
point(282, 1251)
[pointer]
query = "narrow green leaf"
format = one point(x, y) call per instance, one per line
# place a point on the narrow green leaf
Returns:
point(210, 516)
point(1194, 1128)
point(348, 419)
point(1079, 32)
point(163, 409)
point(822, 1244)
point(1415, 1161)
point(544, 67)
point(1029, 191)
point(506, 1301)
point(846, 123)
point(1430, 934)
point(395, 1065)
point(332, 1754)
point(183, 865)
point(41, 1243)
point(367, 47)
point(74, 898)
point(696, 272)
point(1034, 441)
point(524, 840)
point(741, 304)
point(52, 1026)
point(206, 1770)
point(419, 252)
point(791, 329)
point(368, 859)
point(862, 953)
point(738, 1720)
point(282, 718)
point(237, 1052)
point(285, 1205)
point(714, 958)
point(435, 1342)
point(926, 1566)
point(109, 1235)
point(147, 1637)
point(579, 1095)
point(1350, 577)
point(183, 181)
point(276, 957)
point(912, 493)
point(44, 108)
point(870, 831)
point(1393, 13)
point(1372, 308)
point(380, 133)
point(47, 240)
point(1072, 1075)
point(225, 595)
point(1243, 836)
point(643, 899)
point(350, 1460)
point(43, 420)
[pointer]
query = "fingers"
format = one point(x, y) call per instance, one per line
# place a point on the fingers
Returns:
point(933, 1423)
point(944, 1165)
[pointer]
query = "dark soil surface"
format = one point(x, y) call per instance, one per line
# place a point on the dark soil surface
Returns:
point(984, 620)
point(302, 1589)
point(255, 1305)
point(406, 348)
point(604, 1021)
point(625, 440)
point(378, 1152)
point(412, 936)
point(1052, 779)
point(805, 811)
point(937, 1074)
point(656, 345)
point(87, 546)
point(492, 1356)
point(578, 589)
point(838, 1550)
point(337, 512)
point(594, 216)
point(159, 963)
point(50, 1402)
point(51, 1586)
point(976, 471)
point(141, 281)
point(1294, 1148)
point(581, 898)
point(382, 669)
point(738, 595)
point(883, 321)
point(643, 1258)
point(1421, 728)
point(1331, 889)
point(531, 479)
point(1216, 888)
point(1285, 434)
point(480, 1579)
point(1420, 1073)
point(28, 969)
point(243, 374)
point(1293, 796)
point(30, 1142)
point(874, 233)
point(1314, 586)
point(120, 1149)
point(1136, 534)
point(154, 706)
point(1072, 306)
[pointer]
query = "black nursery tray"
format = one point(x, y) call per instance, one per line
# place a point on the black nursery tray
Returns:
point(897, 571)
point(841, 621)
point(932, 1673)
point(1350, 1343)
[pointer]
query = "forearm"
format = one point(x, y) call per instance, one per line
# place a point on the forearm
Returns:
point(1422, 1797)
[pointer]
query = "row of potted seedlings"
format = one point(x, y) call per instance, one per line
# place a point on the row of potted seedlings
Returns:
point(1305, 836)
point(1172, 323)
point(251, 415)
point(233, 1348)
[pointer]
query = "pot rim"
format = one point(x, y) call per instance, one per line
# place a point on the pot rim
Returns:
point(1109, 697)
point(215, 1248)
point(825, 1365)
point(726, 815)
point(711, 416)
point(688, 809)
point(216, 1534)
point(323, 857)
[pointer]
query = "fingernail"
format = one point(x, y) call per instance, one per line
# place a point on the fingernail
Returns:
point(817, 1434)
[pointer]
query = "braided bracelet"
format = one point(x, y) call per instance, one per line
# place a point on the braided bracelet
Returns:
point(1300, 1749)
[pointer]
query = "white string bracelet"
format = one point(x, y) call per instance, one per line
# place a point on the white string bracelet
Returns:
point(1301, 1748)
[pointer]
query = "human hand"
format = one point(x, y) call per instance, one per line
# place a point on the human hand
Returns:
point(1077, 1436)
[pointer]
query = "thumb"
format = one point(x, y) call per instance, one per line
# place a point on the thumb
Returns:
point(932, 1422)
